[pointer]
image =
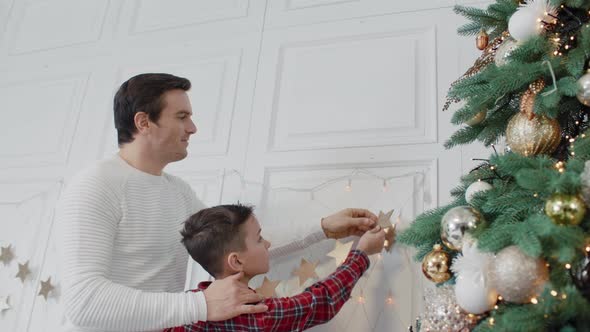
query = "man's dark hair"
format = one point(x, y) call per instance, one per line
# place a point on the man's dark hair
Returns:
point(211, 233)
point(142, 93)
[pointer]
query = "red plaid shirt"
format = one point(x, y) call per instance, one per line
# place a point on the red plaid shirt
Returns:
point(316, 305)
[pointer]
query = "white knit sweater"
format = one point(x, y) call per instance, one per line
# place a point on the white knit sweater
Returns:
point(123, 266)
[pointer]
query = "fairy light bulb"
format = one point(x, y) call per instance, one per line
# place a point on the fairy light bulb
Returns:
point(361, 298)
point(534, 300)
point(553, 293)
point(568, 266)
point(348, 187)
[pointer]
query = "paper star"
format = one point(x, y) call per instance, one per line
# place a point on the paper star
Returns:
point(267, 289)
point(389, 229)
point(23, 271)
point(46, 287)
point(7, 255)
point(385, 219)
point(340, 251)
point(305, 271)
point(4, 303)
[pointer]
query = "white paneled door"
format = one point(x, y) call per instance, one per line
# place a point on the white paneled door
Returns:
point(288, 96)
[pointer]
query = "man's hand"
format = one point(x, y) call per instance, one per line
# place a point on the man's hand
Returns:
point(348, 222)
point(228, 297)
point(372, 241)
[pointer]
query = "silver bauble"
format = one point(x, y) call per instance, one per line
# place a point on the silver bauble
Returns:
point(585, 179)
point(443, 314)
point(456, 222)
point(504, 51)
point(517, 276)
point(584, 89)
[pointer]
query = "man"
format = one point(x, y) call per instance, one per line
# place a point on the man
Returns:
point(123, 264)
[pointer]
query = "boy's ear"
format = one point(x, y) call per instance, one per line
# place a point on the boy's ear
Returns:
point(233, 261)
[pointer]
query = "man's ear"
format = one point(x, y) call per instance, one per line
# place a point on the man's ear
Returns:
point(142, 122)
point(233, 261)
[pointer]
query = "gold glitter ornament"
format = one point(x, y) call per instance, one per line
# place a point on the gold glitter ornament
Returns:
point(482, 40)
point(443, 314)
point(436, 265)
point(529, 134)
point(565, 209)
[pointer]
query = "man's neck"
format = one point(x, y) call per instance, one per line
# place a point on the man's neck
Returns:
point(141, 159)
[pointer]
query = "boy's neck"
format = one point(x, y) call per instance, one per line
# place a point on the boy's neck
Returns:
point(244, 280)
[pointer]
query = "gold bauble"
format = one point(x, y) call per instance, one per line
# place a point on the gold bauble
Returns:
point(529, 137)
point(477, 118)
point(565, 209)
point(482, 40)
point(436, 264)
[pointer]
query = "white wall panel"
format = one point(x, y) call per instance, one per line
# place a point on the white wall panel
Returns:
point(43, 114)
point(154, 15)
point(282, 13)
point(43, 25)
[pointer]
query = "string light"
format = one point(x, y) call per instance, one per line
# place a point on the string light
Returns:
point(361, 298)
point(553, 293)
point(568, 266)
point(491, 321)
point(348, 187)
point(563, 296)
point(500, 298)
point(534, 300)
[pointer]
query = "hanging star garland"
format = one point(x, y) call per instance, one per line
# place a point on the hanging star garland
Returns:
point(305, 271)
point(46, 287)
point(385, 222)
point(6, 255)
point(340, 251)
point(23, 271)
point(267, 289)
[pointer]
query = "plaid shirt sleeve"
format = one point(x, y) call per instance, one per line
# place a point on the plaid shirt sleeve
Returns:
point(320, 302)
point(316, 305)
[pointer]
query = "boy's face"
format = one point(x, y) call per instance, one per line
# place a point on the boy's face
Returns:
point(255, 256)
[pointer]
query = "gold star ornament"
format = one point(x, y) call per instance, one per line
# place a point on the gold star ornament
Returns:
point(385, 222)
point(340, 252)
point(267, 289)
point(6, 255)
point(23, 271)
point(305, 271)
point(46, 287)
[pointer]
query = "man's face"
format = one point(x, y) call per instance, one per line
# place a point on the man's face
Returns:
point(255, 255)
point(169, 136)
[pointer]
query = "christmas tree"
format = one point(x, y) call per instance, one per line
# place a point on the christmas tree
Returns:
point(512, 251)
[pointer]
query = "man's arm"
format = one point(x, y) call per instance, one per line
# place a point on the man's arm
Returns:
point(320, 302)
point(339, 225)
point(87, 219)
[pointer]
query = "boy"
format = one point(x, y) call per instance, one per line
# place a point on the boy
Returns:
point(226, 241)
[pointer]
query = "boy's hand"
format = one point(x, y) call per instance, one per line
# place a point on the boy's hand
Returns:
point(348, 222)
point(372, 241)
point(227, 298)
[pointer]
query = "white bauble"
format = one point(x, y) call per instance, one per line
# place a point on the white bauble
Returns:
point(476, 187)
point(474, 296)
point(523, 25)
point(517, 276)
point(526, 22)
point(473, 290)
